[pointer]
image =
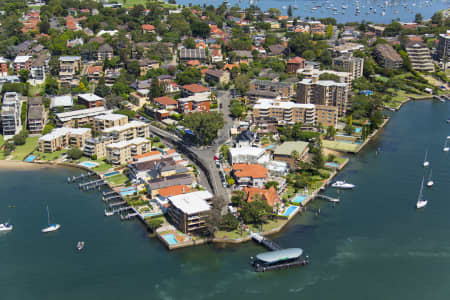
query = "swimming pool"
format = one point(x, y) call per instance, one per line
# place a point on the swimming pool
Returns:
point(128, 189)
point(269, 147)
point(88, 164)
point(170, 238)
point(299, 199)
point(128, 193)
point(289, 211)
point(30, 158)
point(358, 129)
point(332, 164)
point(111, 174)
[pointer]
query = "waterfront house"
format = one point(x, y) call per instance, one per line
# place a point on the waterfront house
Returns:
point(145, 170)
point(285, 152)
point(190, 211)
point(269, 195)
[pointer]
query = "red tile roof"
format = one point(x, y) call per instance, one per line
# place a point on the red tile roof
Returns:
point(195, 88)
point(148, 27)
point(250, 170)
point(269, 195)
point(164, 100)
point(296, 60)
point(94, 69)
point(151, 153)
point(174, 190)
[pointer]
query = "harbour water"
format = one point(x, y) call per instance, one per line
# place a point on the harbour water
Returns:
point(373, 245)
point(344, 10)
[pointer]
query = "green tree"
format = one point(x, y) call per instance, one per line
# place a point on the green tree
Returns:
point(289, 11)
point(156, 89)
point(189, 43)
point(24, 75)
point(242, 83)
point(418, 18)
point(317, 160)
point(190, 75)
point(237, 109)
point(229, 222)
point(51, 86)
point(23, 112)
point(129, 113)
point(133, 68)
point(349, 129)
point(48, 128)
point(44, 27)
point(254, 212)
point(331, 131)
point(204, 125)
point(154, 223)
point(329, 76)
point(270, 184)
point(75, 153)
point(238, 198)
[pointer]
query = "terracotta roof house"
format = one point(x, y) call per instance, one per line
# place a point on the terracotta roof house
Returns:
point(269, 195)
point(192, 89)
point(174, 190)
point(148, 28)
point(250, 175)
point(166, 103)
point(294, 64)
point(276, 50)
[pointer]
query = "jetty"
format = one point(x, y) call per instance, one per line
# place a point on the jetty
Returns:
point(80, 177)
point(128, 216)
point(118, 203)
point(269, 244)
point(331, 199)
point(109, 193)
point(107, 199)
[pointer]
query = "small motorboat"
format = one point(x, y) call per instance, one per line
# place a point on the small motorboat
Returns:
point(430, 182)
point(108, 213)
point(342, 185)
point(6, 227)
point(420, 201)
point(80, 245)
point(426, 163)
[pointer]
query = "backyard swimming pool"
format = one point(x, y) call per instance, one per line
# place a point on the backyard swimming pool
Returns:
point(332, 164)
point(358, 129)
point(299, 199)
point(88, 164)
point(111, 174)
point(30, 158)
point(289, 210)
point(170, 238)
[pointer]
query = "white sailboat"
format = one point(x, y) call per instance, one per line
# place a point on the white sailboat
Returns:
point(50, 227)
point(446, 148)
point(430, 182)
point(6, 227)
point(420, 201)
point(426, 163)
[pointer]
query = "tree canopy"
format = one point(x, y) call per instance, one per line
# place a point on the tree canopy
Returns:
point(204, 125)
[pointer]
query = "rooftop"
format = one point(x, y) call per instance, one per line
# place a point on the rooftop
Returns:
point(280, 255)
point(132, 124)
point(110, 117)
point(287, 147)
point(192, 203)
point(195, 88)
point(89, 97)
point(164, 100)
point(61, 101)
point(388, 52)
point(123, 144)
point(174, 190)
point(58, 132)
point(82, 113)
point(250, 170)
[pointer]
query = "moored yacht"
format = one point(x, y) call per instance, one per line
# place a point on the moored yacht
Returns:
point(342, 185)
point(6, 227)
point(420, 201)
point(50, 227)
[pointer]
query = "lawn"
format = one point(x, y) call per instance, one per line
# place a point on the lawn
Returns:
point(341, 146)
point(269, 225)
point(117, 179)
point(22, 151)
point(102, 167)
point(49, 156)
point(131, 3)
point(235, 234)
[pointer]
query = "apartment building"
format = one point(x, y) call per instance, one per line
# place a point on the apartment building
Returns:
point(193, 90)
point(69, 66)
point(189, 211)
point(285, 90)
point(420, 57)
point(39, 67)
point(128, 131)
point(22, 62)
point(122, 152)
point(324, 92)
point(11, 108)
point(103, 122)
point(443, 49)
point(90, 100)
point(387, 57)
point(288, 112)
point(105, 51)
point(218, 76)
point(64, 102)
point(63, 137)
point(79, 118)
point(96, 146)
point(36, 115)
point(350, 64)
point(200, 103)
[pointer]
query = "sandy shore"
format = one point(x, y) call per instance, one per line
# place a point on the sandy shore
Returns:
point(20, 165)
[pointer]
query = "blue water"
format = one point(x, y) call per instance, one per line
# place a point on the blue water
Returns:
point(332, 164)
point(88, 164)
point(299, 199)
point(170, 238)
point(358, 129)
point(111, 174)
point(289, 210)
point(345, 15)
point(30, 158)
